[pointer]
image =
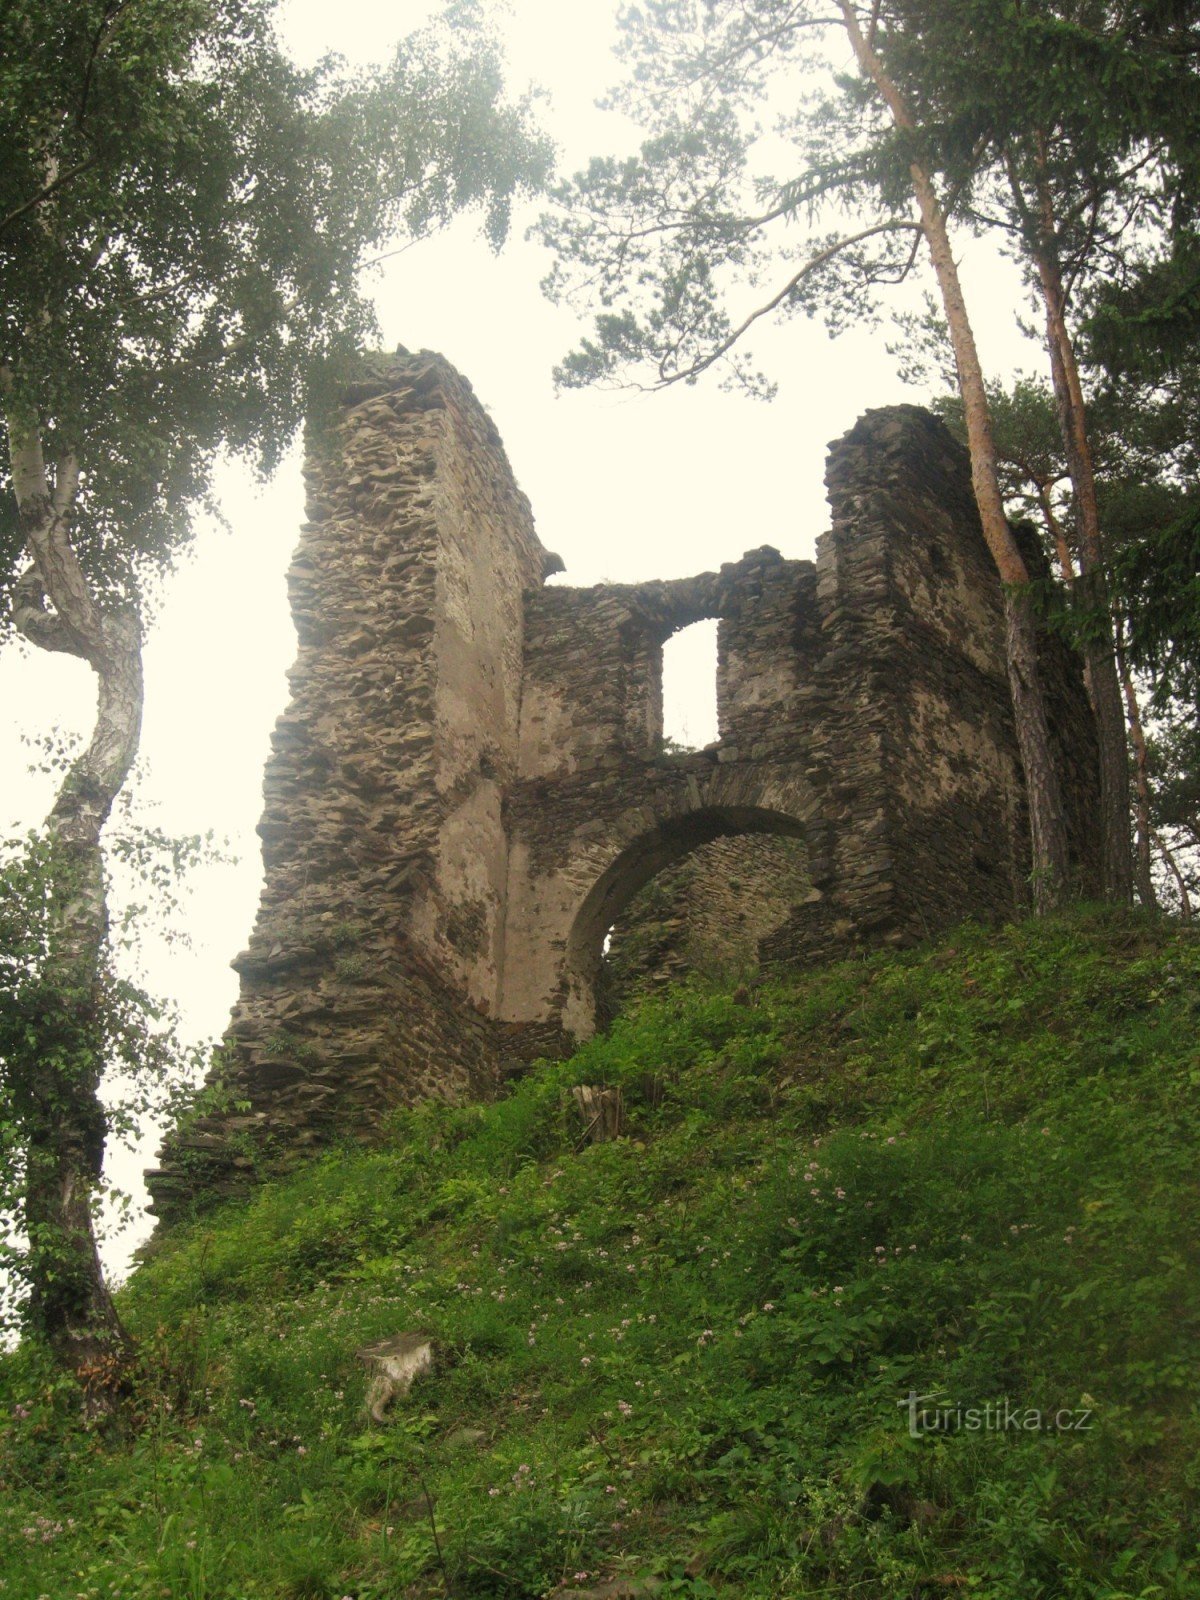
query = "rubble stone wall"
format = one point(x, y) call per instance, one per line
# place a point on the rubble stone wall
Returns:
point(469, 787)
point(372, 969)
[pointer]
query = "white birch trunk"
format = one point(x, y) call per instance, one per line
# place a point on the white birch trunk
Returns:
point(59, 1090)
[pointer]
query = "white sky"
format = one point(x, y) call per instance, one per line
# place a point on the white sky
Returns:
point(623, 488)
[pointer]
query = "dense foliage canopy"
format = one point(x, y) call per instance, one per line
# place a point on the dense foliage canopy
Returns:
point(183, 218)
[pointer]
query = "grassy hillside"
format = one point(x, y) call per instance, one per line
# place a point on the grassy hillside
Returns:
point(968, 1171)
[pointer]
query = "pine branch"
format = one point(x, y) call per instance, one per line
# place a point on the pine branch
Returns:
point(814, 264)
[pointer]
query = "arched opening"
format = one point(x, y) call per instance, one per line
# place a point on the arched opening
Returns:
point(689, 686)
point(705, 916)
point(658, 849)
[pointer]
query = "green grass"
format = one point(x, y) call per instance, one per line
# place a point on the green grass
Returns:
point(969, 1171)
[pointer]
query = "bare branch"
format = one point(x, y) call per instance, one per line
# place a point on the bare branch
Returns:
point(987, 220)
point(1122, 177)
point(901, 275)
point(681, 220)
point(950, 201)
point(186, 362)
point(1072, 274)
point(751, 48)
point(430, 231)
point(111, 12)
point(1020, 204)
point(1168, 855)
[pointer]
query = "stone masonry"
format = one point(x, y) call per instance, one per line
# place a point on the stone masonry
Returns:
point(469, 786)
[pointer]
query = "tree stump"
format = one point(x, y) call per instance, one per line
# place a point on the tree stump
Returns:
point(600, 1112)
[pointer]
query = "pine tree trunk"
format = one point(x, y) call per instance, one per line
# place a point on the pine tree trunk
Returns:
point(1047, 822)
point(1048, 834)
point(1091, 588)
point(1143, 876)
point(57, 1084)
point(1062, 549)
point(1168, 855)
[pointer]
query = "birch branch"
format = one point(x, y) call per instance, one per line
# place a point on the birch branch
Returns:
point(34, 622)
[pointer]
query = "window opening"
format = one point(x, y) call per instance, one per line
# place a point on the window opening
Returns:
point(690, 686)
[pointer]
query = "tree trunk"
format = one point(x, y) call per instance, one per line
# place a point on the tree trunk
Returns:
point(69, 1304)
point(69, 1301)
point(1047, 823)
point(1185, 904)
point(57, 1088)
point(1091, 588)
point(1143, 877)
point(1066, 566)
point(1062, 549)
point(1047, 828)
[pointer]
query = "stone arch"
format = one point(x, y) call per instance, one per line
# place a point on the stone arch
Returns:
point(639, 859)
point(717, 915)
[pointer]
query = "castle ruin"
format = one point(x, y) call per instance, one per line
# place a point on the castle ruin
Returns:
point(469, 783)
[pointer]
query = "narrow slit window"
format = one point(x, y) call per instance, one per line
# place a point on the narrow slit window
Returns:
point(690, 686)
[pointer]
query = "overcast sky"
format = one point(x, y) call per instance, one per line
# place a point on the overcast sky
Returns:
point(623, 488)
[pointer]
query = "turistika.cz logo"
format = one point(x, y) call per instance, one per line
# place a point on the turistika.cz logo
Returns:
point(932, 1413)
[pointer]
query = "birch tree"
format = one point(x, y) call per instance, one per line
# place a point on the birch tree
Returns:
point(183, 219)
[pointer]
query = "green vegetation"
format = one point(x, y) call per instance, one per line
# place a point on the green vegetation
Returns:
point(967, 1170)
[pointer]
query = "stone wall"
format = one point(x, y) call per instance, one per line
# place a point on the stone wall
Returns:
point(373, 966)
point(599, 809)
point(469, 786)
